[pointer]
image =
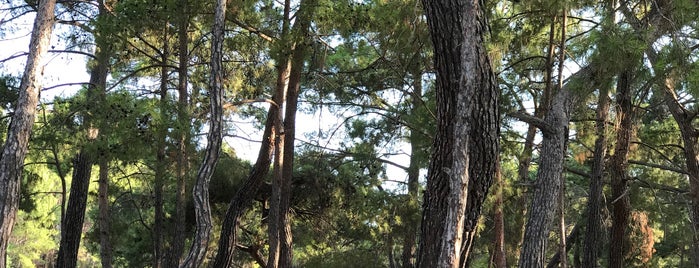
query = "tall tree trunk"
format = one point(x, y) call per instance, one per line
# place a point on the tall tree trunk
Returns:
point(690, 140)
point(593, 232)
point(621, 204)
point(200, 193)
point(499, 256)
point(15, 148)
point(160, 159)
point(72, 225)
point(182, 132)
point(247, 193)
point(458, 179)
point(548, 182)
point(562, 193)
point(618, 167)
point(104, 218)
point(410, 221)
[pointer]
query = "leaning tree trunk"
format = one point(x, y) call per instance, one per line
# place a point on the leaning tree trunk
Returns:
point(467, 124)
point(547, 186)
point(548, 182)
point(200, 193)
point(15, 148)
point(593, 231)
point(246, 194)
point(72, 225)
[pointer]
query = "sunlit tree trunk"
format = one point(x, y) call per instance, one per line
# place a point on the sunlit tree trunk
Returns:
point(15, 148)
point(467, 125)
point(200, 193)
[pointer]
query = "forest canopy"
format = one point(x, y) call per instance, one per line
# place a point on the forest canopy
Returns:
point(316, 133)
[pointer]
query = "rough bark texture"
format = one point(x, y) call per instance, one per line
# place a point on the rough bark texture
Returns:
point(104, 218)
point(467, 125)
point(621, 204)
point(548, 182)
point(593, 230)
point(72, 225)
point(200, 193)
point(15, 148)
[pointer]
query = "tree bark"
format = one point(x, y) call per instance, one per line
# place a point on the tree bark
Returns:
point(104, 216)
point(183, 139)
point(72, 225)
point(621, 204)
point(593, 231)
point(466, 144)
point(15, 148)
point(247, 193)
point(548, 182)
point(160, 159)
point(411, 223)
point(200, 193)
point(499, 256)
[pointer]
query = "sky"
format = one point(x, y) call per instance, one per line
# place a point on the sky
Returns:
point(65, 68)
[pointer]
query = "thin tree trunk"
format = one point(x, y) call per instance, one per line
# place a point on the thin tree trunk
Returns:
point(15, 148)
point(457, 179)
point(411, 223)
point(562, 194)
point(104, 216)
point(246, 194)
point(499, 256)
point(621, 204)
point(160, 165)
point(182, 131)
point(593, 231)
point(200, 193)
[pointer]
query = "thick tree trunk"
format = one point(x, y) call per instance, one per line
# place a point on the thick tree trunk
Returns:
point(458, 178)
point(621, 204)
point(200, 193)
point(104, 216)
point(15, 148)
point(548, 183)
point(593, 231)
